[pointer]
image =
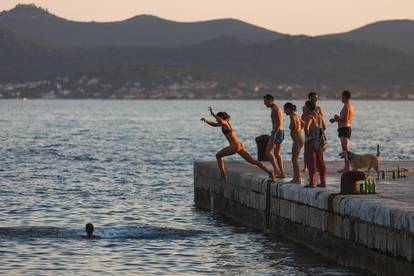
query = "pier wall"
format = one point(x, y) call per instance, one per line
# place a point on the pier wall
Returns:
point(362, 231)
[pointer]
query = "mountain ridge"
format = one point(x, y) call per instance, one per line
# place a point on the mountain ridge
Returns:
point(137, 31)
point(397, 34)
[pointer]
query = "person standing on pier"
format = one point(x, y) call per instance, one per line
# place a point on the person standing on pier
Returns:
point(313, 157)
point(222, 120)
point(277, 135)
point(344, 120)
point(295, 126)
point(312, 96)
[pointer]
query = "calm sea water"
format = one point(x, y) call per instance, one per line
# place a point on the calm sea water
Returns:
point(126, 166)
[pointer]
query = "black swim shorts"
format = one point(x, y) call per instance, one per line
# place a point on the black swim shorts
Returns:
point(344, 132)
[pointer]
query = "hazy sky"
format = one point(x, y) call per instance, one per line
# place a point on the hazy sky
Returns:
point(311, 17)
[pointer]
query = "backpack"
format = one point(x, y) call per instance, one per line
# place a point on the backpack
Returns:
point(321, 143)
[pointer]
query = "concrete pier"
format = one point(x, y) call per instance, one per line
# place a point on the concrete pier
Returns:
point(371, 232)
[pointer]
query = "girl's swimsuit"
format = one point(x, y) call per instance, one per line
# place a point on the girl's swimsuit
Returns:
point(226, 130)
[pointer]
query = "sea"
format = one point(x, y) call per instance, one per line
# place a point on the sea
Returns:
point(127, 167)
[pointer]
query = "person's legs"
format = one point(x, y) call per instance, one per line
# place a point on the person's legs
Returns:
point(345, 149)
point(295, 162)
point(270, 155)
point(305, 168)
point(279, 160)
point(310, 158)
point(321, 168)
point(246, 156)
point(219, 156)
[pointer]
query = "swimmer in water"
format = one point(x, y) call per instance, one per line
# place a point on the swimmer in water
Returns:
point(89, 232)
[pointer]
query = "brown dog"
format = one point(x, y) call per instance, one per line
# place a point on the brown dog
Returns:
point(361, 161)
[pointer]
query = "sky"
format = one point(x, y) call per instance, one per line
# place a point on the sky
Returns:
point(310, 17)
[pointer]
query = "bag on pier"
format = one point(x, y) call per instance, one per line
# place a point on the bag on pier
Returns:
point(321, 143)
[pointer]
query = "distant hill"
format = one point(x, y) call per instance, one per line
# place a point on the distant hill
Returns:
point(300, 60)
point(140, 31)
point(396, 34)
point(21, 58)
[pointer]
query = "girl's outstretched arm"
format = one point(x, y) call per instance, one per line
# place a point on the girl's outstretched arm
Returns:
point(219, 120)
point(213, 124)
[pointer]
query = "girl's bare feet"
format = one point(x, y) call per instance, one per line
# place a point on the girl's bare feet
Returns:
point(295, 181)
point(280, 175)
point(304, 169)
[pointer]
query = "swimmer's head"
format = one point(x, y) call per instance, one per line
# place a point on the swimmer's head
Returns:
point(223, 115)
point(89, 228)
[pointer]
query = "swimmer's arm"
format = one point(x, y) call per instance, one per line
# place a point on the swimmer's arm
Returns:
point(213, 124)
point(219, 120)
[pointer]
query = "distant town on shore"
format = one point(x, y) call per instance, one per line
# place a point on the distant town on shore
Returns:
point(43, 56)
point(186, 88)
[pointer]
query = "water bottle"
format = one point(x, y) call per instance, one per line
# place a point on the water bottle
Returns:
point(361, 187)
point(369, 186)
point(366, 187)
point(374, 187)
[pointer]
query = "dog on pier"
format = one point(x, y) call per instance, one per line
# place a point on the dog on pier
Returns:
point(362, 161)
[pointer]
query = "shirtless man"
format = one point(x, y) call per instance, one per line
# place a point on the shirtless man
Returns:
point(277, 135)
point(344, 120)
point(312, 96)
